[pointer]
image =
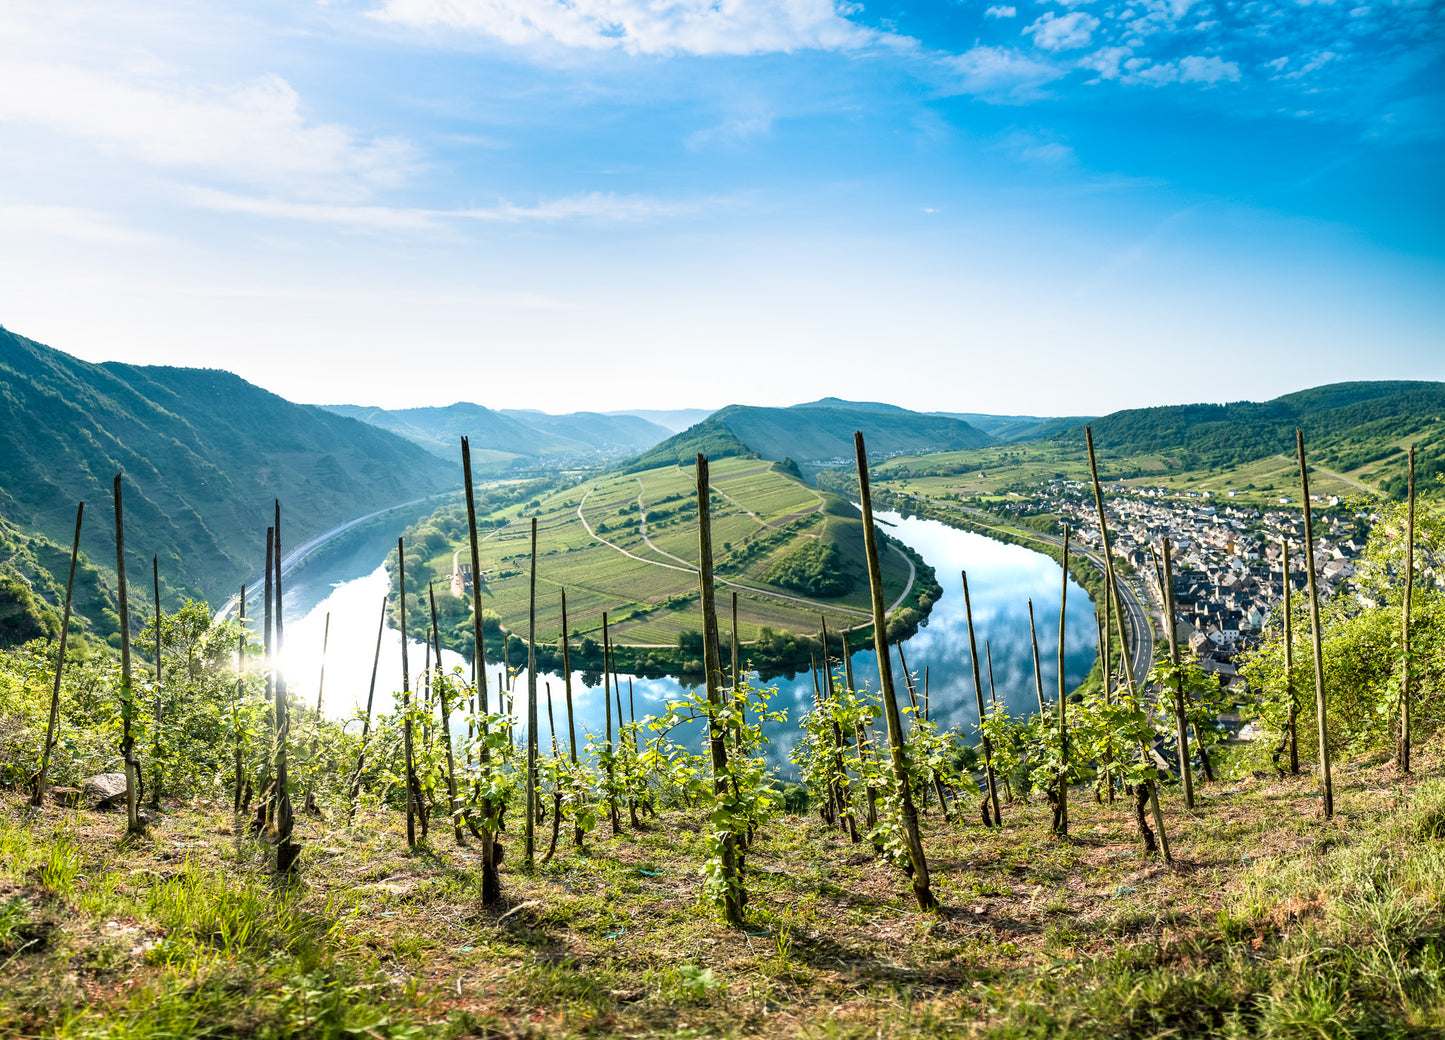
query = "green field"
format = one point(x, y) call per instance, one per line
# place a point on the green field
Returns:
point(996, 474)
point(628, 543)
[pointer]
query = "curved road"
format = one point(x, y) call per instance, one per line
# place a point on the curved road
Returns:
point(1141, 632)
point(683, 565)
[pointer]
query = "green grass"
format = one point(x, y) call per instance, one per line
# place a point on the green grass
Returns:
point(1275, 923)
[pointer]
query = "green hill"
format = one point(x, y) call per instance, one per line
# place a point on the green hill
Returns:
point(813, 433)
point(203, 453)
point(1360, 427)
point(499, 437)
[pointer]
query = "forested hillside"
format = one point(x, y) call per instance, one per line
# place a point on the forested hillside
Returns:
point(1348, 426)
point(203, 453)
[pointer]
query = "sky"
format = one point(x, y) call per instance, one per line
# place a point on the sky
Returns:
point(1051, 208)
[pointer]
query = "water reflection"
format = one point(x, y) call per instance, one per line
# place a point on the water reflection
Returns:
point(1002, 579)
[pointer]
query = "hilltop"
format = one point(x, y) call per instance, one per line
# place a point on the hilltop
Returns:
point(815, 433)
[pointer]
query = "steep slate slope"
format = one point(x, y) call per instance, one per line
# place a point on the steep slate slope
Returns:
point(203, 453)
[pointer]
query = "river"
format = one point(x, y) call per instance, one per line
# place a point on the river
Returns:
point(350, 584)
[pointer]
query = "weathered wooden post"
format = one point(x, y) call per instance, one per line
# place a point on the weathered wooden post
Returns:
point(734, 894)
point(127, 690)
point(1061, 812)
point(991, 781)
point(157, 766)
point(1403, 758)
point(287, 850)
point(412, 808)
point(530, 847)
point(921, 888)
point(366, 722)
point(52, 727)
point(491, 882)
point(1289, 663)
point(1111, 595)
point(1315, 630)
point(1181, 718)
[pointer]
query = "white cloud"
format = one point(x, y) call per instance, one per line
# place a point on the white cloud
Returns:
point(1073, 30)
point(1000, 12)
point(1192, 69)
point(998, 72)
point(594, 207)
point(1211, 70)
point(253, 132)
point(1105, 61)
point(646, 26)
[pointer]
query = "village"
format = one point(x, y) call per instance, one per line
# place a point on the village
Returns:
point(1226, 560)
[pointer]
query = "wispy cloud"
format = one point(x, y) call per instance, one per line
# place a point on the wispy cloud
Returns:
point(1069, 32)
point(997, 74)
point(254, 132)
point(646, 26)
point(594, 207)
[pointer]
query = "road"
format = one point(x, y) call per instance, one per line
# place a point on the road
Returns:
point(1141, 632)
point(298, 555)
point(1339, 476)
point(683, 565)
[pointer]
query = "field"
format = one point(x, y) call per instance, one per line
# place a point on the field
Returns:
point(1275, 923)
point(627, 544)
point(997, 474)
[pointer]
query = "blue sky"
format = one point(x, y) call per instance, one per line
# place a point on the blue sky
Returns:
point(1048, 208)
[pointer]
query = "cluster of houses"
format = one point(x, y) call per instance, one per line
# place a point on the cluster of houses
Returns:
point(1227, 562)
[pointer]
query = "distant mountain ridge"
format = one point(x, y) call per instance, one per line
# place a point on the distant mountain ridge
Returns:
point(500, 436)
point(203, 453)
point(816, 432)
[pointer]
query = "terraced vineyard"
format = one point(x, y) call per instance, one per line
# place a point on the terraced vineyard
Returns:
point(627, 544)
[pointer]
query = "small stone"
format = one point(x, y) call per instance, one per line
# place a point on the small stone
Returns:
point(69, 797)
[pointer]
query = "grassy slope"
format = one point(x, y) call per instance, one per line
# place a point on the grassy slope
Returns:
point(758, 516)
point(1275, 924)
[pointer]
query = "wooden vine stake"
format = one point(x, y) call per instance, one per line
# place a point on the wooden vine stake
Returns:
point(1319, 647)
point(1061, 809)
point(991, 781)
point(607, 703)
point(491, 882)
point(577, 833)
point(1293, 735)
point(530, 841)
point(1150, 791)
point(156, 755)
point(37, 794)
point(1402, 761)
point(454, 805)
point(412, 807)
point(287, 850)
point(1181, 718)
point(127, 693)
point(1038, 670)
point(237, 733)
point(366, 721)
point(734, 895)
point(921, 888)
